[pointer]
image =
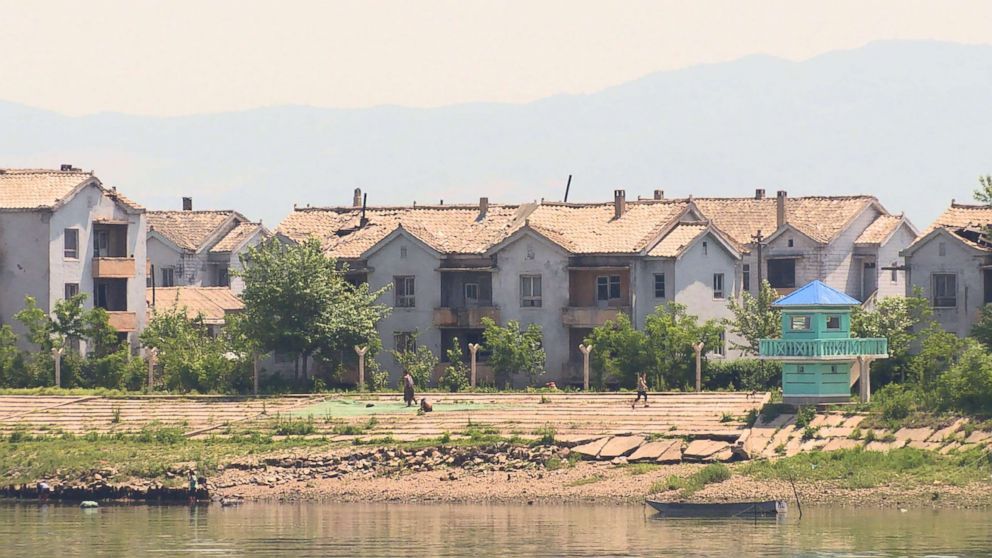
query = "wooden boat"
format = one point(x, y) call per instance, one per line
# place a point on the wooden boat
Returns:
point(727, 509)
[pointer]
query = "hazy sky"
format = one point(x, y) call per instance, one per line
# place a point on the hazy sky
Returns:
point(179, 57)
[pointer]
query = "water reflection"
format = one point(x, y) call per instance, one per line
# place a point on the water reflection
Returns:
point(478, 530)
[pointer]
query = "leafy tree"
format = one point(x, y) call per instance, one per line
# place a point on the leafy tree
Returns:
point(69, 321)
point(419, 362)
point(671, 332)
point(982, 330)
point(939, 350)
point(455, 375)
point(896, 319)
point(967, 385)
point(755, 318)
point(191, 359)
point(984, 193)
point(298, 302)
point(514, 351)
point(618, 352)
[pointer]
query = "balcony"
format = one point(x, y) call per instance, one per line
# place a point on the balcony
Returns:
point(590, 316)
point(837, 349)
point(464, 317)
point(123, 321)
point(113, 268)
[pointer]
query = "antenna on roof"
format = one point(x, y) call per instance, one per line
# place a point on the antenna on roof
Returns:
point(567, 186)
point(363, 221)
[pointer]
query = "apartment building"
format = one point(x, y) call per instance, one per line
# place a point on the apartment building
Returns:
point(570, 267)
point(951, 263)
point(62, 232)
point(199, 248)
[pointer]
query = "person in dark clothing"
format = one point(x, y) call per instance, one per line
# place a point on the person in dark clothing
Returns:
point(642, 389)
point(408, 395)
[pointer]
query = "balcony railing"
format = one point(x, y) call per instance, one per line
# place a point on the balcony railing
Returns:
point(590, 316)
point(113, 268)
point(814, 348)
point(464, 317)
point(123, 321)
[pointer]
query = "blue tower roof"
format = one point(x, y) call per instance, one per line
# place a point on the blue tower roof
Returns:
point(816, 294)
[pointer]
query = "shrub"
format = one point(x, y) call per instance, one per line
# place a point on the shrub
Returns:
point(420, 363)
point(895, 402)
point(742, 374)
point(967, 385)
point(294, 426)
point(805, 415)
point(455, 376)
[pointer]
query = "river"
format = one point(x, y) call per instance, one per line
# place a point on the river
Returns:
point(389, 530)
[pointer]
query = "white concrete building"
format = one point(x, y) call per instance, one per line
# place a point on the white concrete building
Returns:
point(63, 232)
point(571, 267)
point(199, 248)
point(951, 263)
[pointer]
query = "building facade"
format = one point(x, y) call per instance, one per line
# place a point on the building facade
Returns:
point(571, 267)
point(62, 232)
point(199, 248)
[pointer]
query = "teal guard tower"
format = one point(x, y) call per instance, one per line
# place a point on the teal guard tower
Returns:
point(820, 359)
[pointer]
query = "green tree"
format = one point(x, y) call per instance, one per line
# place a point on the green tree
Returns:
point(455, 375)
point(514, 351)
point(671, 332)
point(939, 351)
point(420, 362)
point(69, 321)
point(619, 352)
point(298, 302)
point(755, 318)
point(982, 330)
point(967, 384)
point(984, 193)
point(896, 319)
point(190, 359)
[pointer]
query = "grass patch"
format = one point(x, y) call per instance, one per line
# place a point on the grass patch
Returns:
point(857, 468)
point(805, 416)
point(641, 468)
point(710, 474)
point(591, 479)
point(355, 429)
point(147, 454)
point(294, 426)
point(545, 435)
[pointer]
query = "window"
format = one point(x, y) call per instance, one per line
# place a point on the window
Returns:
point(791, 243)
point(405, 341)
point(705, 248)
point(471, 293)
point(223, 277)
point(799, 323)
point(403, 252)
point(659, 285)
point(608, 287)
point(101, 243)
point(944, 289)
point(833, 322)
point(404, 291)
point(530, 291)
point(782, 273)
point(71, 290)
point(746, 279)
point(801, 369)
point(168, 277)
point(71, 244)
point(717, 285)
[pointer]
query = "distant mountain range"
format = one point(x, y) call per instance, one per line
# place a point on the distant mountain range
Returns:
point(910, 122)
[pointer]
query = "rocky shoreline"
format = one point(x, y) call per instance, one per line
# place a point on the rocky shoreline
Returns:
point(499, 472)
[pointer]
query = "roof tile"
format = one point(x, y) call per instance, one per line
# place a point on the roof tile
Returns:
point(213, 303)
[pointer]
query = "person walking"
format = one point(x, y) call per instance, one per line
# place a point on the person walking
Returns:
point(408, 395)
point(642, 389)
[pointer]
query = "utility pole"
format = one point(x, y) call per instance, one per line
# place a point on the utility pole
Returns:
point(473, 348)
point(758, 238)
point(586, 349)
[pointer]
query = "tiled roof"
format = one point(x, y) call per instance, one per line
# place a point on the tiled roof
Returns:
point(676, 240)
point(880, 229)
point(958, 217)
point(819, 217)
point(455, 229)
point(213, 303)
point(241, 232)
point(29, 189)
point(187, 229)
point(592, 228)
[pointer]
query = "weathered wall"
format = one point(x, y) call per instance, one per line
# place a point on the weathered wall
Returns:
point(888, 254)
point(531, 255)
point(24, 251)
point(964, 263)
point(840, 269)
point(693, 282)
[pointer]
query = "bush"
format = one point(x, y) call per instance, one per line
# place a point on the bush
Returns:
point(455, 376)
point(420, 363)
point(742, 374)
point(895, 402)
point(805, 415)
point(967, 385)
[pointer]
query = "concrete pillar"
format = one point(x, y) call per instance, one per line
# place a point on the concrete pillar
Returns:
point(57, 359)
point(698, 347)
point(585, 349)
point(472, 349)
point(360, 350)
point(864, 379)
point(152, 360)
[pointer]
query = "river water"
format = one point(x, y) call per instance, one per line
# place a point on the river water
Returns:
point(390, 530)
